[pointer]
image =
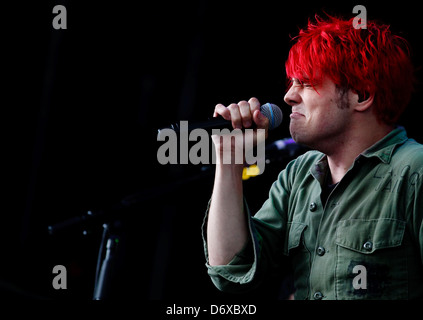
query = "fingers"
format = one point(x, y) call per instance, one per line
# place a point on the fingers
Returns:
point(254, 104)
point(243, 114)
point(221, 110)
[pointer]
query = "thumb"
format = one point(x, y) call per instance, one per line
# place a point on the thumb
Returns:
point(261, 121)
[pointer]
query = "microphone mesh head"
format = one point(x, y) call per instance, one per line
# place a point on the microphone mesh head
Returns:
point(273, 113)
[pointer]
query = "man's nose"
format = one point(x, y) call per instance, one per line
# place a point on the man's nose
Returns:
point(292, 97)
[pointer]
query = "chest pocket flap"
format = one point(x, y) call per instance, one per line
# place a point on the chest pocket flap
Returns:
point(367, 236)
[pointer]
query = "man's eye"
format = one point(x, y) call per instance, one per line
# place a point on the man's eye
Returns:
point(303, 84)
point(297, 83)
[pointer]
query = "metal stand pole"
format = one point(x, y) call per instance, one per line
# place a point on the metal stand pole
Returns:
point(104, 274)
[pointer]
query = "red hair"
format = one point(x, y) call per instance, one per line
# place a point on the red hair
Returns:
point(368, 61)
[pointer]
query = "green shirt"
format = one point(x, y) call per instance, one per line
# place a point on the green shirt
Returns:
point(364, 242)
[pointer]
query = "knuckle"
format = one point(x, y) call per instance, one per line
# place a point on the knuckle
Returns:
point(220, 109)
point(253, 100)
point(255, 104)
point(245, 108)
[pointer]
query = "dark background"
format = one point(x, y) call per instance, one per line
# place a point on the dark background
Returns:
point(81, 108)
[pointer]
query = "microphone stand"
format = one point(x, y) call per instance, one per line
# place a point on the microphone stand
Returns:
point(107, 255)
point(108, 252)
point(105, 272)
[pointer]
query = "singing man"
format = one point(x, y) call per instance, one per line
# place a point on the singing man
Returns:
point(347, 216)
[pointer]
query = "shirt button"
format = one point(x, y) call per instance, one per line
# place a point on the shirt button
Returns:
point(368, 245)
point(318, 295)
point(321, 251)
point(313, 206)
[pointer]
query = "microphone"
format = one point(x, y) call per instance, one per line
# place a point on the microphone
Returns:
point(269, 110)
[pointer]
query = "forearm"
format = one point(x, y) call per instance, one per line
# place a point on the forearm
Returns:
point(227, 230)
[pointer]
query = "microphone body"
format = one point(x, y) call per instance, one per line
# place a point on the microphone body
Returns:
point(270, 111)
point(215, 123)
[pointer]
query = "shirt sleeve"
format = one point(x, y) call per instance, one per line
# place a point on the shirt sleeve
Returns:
point(263, 252)
point(418, 212)
point(414, 209)
point(238, 273)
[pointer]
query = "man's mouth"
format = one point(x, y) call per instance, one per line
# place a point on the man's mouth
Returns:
point(295, 115)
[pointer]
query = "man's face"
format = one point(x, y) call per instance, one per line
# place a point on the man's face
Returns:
point(318, 119)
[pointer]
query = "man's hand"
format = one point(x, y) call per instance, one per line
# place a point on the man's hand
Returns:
point(242, 115)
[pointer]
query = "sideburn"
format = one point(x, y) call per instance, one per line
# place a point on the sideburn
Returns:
point(343, 101)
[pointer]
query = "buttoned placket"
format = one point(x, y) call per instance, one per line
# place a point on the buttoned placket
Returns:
point(320, 250)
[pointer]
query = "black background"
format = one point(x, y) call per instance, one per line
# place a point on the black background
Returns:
point(81, 108)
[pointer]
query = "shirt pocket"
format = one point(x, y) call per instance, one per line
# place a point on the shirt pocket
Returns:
point(370, 259)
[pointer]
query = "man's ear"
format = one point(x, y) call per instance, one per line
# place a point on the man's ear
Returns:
point(362, 100)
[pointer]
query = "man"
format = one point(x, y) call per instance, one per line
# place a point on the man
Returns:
point(347, 215)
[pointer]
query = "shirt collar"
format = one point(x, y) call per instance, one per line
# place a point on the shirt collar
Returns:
point(383, 149)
